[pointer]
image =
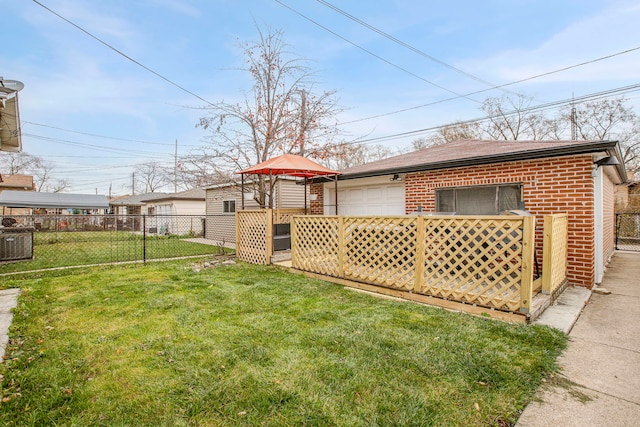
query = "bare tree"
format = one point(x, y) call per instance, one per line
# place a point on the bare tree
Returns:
point(611, 119)
point(603, 119)
point(281, 114)
point(449, 133)
point(18, 163)
point(60, 185)
point(151, 176)
point(347, 155)
point(40, 169)
point(508, 118)
point(199, 169)
point(599, 120)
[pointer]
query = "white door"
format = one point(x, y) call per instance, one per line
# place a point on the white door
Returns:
point(381, 199)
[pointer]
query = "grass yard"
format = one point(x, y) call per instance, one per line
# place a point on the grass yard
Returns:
point(163, 345)
point(63, 249)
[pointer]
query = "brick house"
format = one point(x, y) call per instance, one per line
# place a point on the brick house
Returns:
point(16, 182)
point(471, 177)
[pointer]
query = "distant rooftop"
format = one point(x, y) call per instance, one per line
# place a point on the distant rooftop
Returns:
point(33, 199)
point(136, 199)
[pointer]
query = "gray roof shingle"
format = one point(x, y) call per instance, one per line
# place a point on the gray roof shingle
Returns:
point(475, 152)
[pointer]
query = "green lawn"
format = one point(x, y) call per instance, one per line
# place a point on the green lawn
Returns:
point(63, 249)
point(163, 345)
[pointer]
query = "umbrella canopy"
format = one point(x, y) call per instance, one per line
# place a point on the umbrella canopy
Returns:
point(290, 165)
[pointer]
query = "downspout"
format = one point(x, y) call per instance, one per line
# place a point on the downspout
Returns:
point(598, 226)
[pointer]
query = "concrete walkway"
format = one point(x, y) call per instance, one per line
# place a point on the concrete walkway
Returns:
point(599, 384)
point(8, 301)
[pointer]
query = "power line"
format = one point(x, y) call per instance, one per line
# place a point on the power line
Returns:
point(103, 136)
point(93, 146)
point(119, 52)
point(458, 95)
point(550, 105)
point(548, 73)
point(406, 45)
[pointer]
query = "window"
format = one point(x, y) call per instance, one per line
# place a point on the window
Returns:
point(151, 210)
point(228, 206)
point(479, 200)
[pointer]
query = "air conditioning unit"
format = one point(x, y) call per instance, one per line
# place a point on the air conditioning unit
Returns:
point(16, 246)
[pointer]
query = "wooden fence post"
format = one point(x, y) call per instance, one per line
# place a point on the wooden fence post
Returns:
point(419, 261)
point(547, 246)
point(341, 246)
point(269, 235)
point(528, 248)
point(293, 225)
point(237, 215)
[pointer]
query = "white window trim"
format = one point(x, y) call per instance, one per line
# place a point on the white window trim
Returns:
point(235, 206)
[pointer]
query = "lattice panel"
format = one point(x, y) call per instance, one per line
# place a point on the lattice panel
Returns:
point(474, 260)
point(380, 250)
point(559, 251)
point(315, 244)
point(252, 244)
point(284, 215)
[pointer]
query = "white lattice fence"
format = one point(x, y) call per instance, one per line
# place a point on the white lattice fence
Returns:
point(554, 252)
point(315, 243)
point(252, 238)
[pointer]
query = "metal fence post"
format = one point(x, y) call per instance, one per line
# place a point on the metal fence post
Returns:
point(144, 238)
point(617, 229)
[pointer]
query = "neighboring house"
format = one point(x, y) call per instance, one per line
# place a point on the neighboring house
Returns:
point(16, 183)
point(224, 199)
point(472, 177)
point(178, 213)
point(129, 208)
point(633, 196)
point(132, 205)
point(56, 202)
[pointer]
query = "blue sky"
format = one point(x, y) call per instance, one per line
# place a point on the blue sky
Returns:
point(74, 83)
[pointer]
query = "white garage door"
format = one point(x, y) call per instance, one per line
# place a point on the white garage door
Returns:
point(371, 200)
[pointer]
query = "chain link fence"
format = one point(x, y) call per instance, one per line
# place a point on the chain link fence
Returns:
point(32, 242)
point(628, 231)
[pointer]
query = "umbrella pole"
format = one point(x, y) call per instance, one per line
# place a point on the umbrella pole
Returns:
point(242, 189)
point(336, 191)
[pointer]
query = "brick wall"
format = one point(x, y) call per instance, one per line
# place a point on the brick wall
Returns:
point(317, 206)
point(554, 185)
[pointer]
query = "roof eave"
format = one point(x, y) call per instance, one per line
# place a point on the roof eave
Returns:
point(587, 148)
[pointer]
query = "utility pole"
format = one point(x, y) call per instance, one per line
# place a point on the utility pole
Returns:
point(574, 127)
point(175, 169)
point(133, 183)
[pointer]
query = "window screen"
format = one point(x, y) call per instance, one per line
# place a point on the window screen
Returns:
point(228, 206)
point(446, 200)
point(479, 200)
